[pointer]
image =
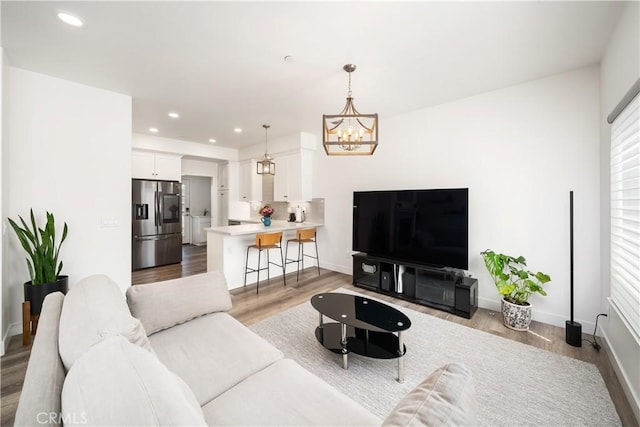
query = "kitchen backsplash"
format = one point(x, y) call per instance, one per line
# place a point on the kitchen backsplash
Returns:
point(313, 210)
point(267, 187)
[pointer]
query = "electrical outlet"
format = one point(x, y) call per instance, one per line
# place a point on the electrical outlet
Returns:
point(109, 223)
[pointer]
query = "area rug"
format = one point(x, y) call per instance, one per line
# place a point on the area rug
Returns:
point(516, 384)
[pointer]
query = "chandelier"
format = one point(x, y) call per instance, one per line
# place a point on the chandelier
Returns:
point(266, 166)
point(349, 133)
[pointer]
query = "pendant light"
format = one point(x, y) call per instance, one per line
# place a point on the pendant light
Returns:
point(266, 166)
point(349, 132)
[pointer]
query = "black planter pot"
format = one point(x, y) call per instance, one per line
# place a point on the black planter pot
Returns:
point(36, 293)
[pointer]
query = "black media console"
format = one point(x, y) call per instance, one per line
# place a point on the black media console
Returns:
point(444, 289)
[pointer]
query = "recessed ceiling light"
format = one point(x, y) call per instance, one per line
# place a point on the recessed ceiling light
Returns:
point(237, 130)
point(288, 58)
point(153, 130)
point(213, 141)
point(173, 115)
point(70, 19)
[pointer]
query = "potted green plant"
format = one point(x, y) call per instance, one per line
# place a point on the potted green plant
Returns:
point(42, 260)
point(516, 284)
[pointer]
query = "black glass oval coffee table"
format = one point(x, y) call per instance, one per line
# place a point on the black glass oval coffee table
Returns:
point(364, 326)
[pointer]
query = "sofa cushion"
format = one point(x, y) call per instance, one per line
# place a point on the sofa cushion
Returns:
point(181, 300)
point(444, 398)
point(43, 381)
point(285, 394)
point(95, 308)
point(116, 383)
point(213, 353)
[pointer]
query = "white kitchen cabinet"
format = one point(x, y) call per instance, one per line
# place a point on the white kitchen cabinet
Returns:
point(148, 165)
point(292, 181)
point(250, 183)
point(198, 235)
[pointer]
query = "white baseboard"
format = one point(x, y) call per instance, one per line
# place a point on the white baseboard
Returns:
point(13, 329)
point(623, 350)
point(5, 341)
point(489, 304)
point(634, 401)
point(540, 316)
point(338, 268)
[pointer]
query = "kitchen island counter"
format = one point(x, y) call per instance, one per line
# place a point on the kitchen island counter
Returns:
point(257, 228)
point(227, 249)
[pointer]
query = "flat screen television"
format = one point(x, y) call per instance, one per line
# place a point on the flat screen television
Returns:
point(420, 226)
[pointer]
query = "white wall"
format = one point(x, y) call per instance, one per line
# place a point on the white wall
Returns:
point(4, 202)
point(70, 151)
point(519, 150)
point(619, 69)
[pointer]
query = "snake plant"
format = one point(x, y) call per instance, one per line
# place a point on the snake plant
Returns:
point(514, 282)
point(40, 245)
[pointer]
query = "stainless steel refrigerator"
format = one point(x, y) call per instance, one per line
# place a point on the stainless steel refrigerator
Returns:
point(156, 223)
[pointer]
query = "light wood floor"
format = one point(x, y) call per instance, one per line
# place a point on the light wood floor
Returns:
point(194, 261)
point(274, 297)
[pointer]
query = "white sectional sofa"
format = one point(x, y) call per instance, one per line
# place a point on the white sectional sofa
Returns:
point(169, 354)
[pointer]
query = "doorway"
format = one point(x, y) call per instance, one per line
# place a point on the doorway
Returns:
point(197, 208)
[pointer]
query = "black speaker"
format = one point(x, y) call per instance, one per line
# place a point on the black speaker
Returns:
point(573, 333)
point(409, 284)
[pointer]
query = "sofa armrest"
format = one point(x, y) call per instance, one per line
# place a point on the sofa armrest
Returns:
point(162, 305)
point(444, 398)
point(39, 403)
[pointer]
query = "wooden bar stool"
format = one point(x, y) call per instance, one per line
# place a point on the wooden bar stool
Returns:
point(307, 235)
point(265, 242)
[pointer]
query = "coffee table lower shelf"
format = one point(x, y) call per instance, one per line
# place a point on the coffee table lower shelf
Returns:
point(377, 345)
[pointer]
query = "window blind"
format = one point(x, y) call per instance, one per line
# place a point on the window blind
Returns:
point(625, 214)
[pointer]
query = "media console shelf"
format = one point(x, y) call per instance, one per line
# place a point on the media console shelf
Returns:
point(443, 289)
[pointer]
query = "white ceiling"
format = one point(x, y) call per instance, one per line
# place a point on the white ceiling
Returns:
point(221, 64)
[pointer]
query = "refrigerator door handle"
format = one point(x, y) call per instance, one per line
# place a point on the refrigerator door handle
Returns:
point(155, 208)
point(160, 208)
